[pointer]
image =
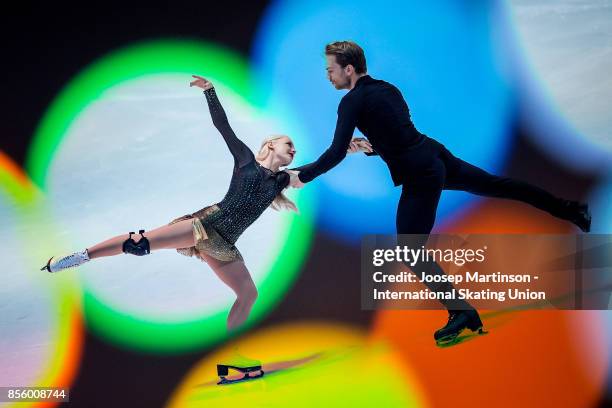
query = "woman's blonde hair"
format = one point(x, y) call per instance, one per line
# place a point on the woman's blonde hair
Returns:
point(281, 202)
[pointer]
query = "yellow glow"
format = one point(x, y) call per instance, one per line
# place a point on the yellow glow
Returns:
point(308, 364)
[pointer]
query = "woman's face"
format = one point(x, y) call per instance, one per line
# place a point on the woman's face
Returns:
point(283, 148)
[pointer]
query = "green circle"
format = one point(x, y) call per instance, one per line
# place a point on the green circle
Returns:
point(136, 61)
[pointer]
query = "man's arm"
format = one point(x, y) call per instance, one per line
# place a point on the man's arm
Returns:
point(345, 125)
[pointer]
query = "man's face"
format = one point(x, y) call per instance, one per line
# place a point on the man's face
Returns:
point(336, 74)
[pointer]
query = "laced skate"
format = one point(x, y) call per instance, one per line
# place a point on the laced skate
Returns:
point(458, 320)
point(223, 373)
point(249, 367)
point(70, 261)
point(581, 215)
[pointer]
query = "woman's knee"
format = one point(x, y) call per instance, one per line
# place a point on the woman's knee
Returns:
point(248, 292)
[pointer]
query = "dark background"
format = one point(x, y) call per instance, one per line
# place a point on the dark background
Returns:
point(45, 47)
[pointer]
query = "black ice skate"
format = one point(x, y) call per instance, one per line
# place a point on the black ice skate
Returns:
point(458, 320)
point(223, 372)
point(580, 215)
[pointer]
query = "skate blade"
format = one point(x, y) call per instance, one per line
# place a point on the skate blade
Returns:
point(455, 339)
point(246, 377)
point(223, 369)
point(447, 340)
point(46, 267)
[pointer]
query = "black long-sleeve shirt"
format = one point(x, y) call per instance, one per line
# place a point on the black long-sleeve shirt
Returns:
point(380, 112)
point(252, 188)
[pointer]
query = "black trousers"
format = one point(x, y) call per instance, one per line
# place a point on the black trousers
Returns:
point(436, 169)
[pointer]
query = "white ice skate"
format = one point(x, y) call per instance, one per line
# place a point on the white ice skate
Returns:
point(72, 260)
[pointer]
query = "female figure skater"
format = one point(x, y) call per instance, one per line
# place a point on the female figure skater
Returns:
point(210, 234)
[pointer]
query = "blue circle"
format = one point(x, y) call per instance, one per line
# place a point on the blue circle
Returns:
point(439, 54)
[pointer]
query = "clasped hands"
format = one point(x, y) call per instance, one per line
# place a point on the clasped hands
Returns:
point(357, 144)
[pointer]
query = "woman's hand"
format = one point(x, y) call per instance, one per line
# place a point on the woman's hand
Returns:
point(294, 180)
point(201, 82)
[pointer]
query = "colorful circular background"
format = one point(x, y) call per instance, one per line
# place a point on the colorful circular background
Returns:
point(411, 44)
point(128, 145)
point(42, 332)
point(307, 364)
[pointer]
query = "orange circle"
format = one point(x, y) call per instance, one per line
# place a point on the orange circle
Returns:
point(529, 359)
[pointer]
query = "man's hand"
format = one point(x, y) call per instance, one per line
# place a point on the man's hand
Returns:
point(359, 144)
point(201, 82)
point(353, 147)
point(294, 180)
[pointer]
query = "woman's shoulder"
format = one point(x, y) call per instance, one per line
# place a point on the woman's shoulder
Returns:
point(283, 178)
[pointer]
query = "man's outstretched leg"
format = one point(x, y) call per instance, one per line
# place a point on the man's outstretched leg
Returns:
point(463, 176)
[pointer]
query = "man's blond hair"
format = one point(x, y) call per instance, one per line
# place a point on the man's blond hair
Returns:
point(348, 53)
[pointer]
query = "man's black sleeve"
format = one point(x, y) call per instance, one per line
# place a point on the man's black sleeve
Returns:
point(348, 111)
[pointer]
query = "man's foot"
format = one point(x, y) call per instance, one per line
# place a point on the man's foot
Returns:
point(72, 260)
point(579, 215)
point(458, 320)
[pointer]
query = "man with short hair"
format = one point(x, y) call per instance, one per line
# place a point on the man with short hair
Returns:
point(420, 164)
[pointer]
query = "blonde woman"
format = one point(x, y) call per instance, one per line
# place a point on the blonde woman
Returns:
point(210, 234)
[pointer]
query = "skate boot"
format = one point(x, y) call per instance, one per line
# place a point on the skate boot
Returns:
point(578, 213)
point(75, 259)
point(249, 368)
point(223, 372)
point(458, 320)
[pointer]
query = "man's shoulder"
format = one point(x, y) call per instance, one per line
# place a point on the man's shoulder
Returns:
point(373, 86)
point(382, 83)
point(350, 98)
point(367, 88)
point(370, 81)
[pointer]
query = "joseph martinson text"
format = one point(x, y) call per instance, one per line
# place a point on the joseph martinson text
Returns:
point(510, 293)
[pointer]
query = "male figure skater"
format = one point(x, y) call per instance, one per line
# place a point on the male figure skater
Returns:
point(421, 165)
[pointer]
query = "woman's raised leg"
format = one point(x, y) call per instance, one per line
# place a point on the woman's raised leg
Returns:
point(178, 235)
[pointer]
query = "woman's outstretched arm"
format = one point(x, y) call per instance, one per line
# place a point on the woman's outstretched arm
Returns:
point(241, 152)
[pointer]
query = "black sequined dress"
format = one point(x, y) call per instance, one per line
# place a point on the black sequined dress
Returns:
point(252, 189)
